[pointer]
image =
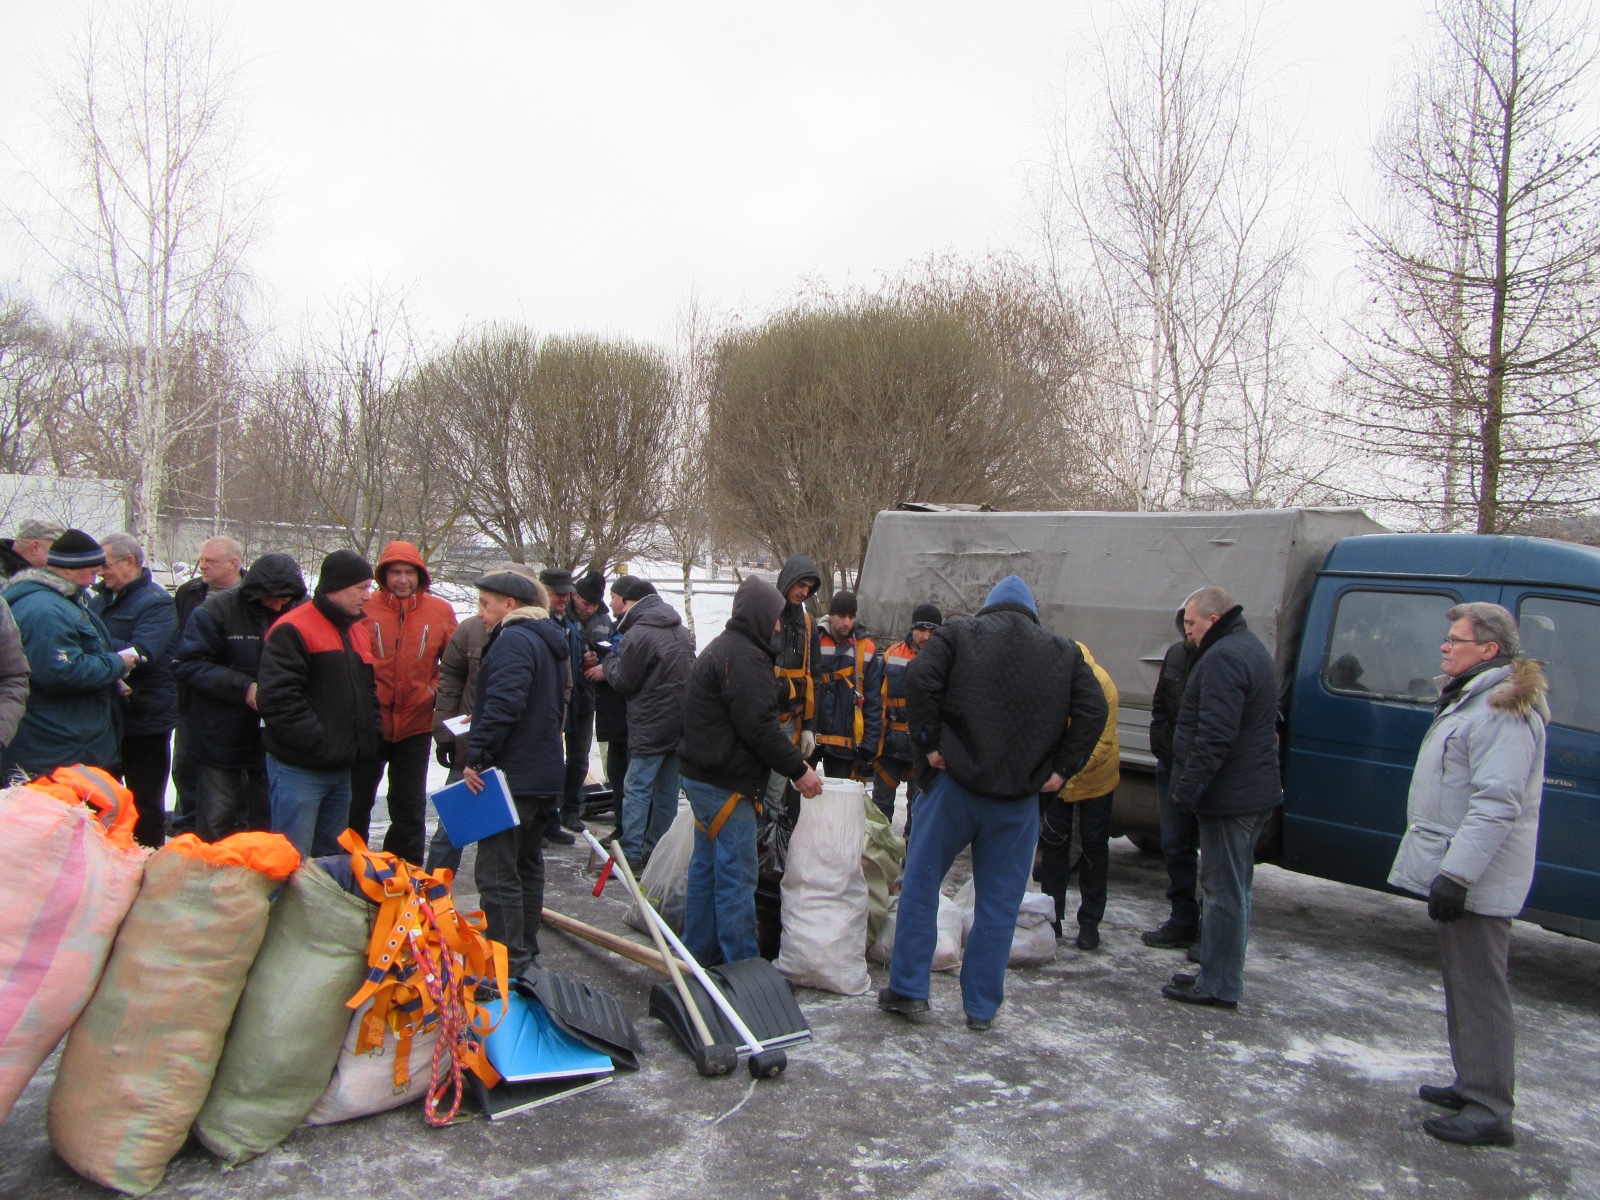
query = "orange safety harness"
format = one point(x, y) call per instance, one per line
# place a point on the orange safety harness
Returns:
point(799, 681)
point(425, 961)
point(856, 672)
point(721, 819)
point(900, 650)
point(112, 803)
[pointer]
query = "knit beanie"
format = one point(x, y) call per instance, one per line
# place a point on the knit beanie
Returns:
point(1011, 590)
point(74, 549)
point(925, 616)
point(843, 604)
point(342, 569)
point(633, 588)
point(592, 587)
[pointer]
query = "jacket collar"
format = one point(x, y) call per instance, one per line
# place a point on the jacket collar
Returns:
point(1229, 622)
point(336, 616)
point(1009, 606)
point(49, 579)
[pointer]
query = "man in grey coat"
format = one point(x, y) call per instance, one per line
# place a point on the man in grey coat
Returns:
point(13, 676)
point(1472, 829)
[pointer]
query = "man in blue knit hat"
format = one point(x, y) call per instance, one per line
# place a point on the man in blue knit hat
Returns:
point(999, 709)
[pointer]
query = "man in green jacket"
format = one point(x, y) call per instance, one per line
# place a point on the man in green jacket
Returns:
point(72, 714)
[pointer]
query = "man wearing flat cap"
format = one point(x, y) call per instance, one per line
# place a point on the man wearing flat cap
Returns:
point(30, 548)
point(73, 714)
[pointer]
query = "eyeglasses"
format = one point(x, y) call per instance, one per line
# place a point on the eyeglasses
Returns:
point(1455, 641)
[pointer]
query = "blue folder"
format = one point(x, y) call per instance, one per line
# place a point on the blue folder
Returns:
point(528, 1045)
point(469, 818)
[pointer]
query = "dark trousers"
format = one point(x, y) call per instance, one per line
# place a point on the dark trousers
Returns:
point(510, 878)
point(230, 799)
point(407, 761)
point(1055, 853)
point(146, 763)
point(887, 776)
point(441, 853)
point(616, 772)
point(185, 780)
point(1475, 953)
point(1227, 872)
point(1180, 846)
point(838, 768)
point(571, 806)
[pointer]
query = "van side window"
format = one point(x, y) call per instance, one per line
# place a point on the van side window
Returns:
point(1385, 645)
point(1564, 635)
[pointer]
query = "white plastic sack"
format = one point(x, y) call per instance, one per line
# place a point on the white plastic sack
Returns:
point(1033, 941)
point(825, 894)
point(363, 1084)
point(665, 880)
point(947, 946)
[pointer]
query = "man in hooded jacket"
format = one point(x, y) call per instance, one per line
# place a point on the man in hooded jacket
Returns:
point(1002, 709)
point(218, 661)
point(651, 670)
point(518, 714)
point(732, 741)
point(409, 628)
point(798, 580)
point(1180, 831)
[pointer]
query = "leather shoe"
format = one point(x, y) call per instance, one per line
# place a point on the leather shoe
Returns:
point(1187, 981)
point(1444, 1097)
point(1188, 995)
point(1464, 1131)
point(561, 837)
point(1194, 954)
point(905, 1006)
point(1088, 937)
point(1170, 936)
point(979, 1024)
point(574, 825)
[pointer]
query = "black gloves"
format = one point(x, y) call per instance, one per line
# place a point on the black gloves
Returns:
point(444, 753)
point(1447, 900)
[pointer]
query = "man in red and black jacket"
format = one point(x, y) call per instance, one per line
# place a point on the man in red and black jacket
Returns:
point(319, 706)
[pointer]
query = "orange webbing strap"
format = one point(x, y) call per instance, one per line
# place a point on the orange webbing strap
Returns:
point(723, 813)
point(425, 961)
point(79, 784)
point(836, 739)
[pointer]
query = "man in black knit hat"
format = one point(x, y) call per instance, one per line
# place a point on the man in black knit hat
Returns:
point(319, 706)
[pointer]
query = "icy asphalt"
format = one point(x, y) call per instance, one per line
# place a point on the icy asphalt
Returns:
point(1090, 1084)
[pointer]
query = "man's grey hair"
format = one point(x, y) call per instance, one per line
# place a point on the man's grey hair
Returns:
point(225, 544)
point(1490, 623)
point(1211, 601)
point(124, 545)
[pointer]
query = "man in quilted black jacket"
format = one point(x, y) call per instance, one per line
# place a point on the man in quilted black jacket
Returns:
point(1001, 709)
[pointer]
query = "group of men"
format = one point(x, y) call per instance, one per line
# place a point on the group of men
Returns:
point(290, 710)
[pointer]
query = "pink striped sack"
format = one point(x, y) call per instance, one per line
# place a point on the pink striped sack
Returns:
point(74, 873)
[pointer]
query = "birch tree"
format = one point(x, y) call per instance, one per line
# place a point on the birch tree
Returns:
point(149, 218)
point(1478, 359)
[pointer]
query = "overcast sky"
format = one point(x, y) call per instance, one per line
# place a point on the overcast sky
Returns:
point(590, 165)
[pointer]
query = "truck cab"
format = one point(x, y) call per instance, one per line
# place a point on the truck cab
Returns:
point(1364, 689)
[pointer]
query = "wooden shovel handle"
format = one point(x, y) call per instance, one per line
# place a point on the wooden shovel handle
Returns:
point(609, 941)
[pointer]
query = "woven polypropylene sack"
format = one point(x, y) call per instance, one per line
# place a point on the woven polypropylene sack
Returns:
point(665, 879)
point(1033, 941)
point(825, 894)
point(363, 1084)
point(291, 1021)
point(70, 887)
point(947, 943)
point(139, 1061)
point(883, 861)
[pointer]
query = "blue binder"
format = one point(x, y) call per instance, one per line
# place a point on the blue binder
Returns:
point(528, 1045)
point(469, 818)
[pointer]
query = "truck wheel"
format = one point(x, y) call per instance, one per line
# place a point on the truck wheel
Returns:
point(1148, 844)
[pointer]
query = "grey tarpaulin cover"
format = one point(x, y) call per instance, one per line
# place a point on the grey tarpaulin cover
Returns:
point(1110, 580)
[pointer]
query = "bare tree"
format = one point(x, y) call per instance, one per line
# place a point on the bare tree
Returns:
point(1179, 220)
point(1479, 358)
point(686, 524)
point(149, 220)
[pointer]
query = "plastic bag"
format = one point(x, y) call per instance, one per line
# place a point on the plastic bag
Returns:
point(291, 1021)
point(139, 1062)
point(72, 879)
point(665, 881)
point(825, 894)
point(363, 1084)
point(1033, 941)
point(946, 948)
point(883, 861)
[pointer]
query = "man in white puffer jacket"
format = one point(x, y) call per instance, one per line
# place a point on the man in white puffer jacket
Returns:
point(1472, 829)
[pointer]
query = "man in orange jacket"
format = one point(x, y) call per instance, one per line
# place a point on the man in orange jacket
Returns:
point(409, 628)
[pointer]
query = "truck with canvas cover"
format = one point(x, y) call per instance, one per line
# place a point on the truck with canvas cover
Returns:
point(1353, 616)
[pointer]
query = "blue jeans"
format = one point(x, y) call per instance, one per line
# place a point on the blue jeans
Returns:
point(1227, 872)
point(310, 808)
point(1180, 846)
point(649, 803)
point(1002, 834)
point(719, 919)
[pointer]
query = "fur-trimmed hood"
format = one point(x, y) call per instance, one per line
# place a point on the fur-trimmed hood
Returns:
point(1523, 690)
point(45, 577)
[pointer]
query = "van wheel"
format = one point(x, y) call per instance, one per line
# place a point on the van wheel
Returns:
point(1148, 843)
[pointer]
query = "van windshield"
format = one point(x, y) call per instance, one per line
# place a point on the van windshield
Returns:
point(1385, 645)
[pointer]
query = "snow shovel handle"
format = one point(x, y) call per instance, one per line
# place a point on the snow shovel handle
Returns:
point(694, 966)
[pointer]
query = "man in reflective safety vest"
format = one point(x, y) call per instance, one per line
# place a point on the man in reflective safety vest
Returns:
point(894, 752)
point(847, 671)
